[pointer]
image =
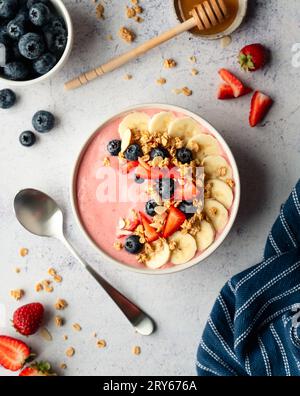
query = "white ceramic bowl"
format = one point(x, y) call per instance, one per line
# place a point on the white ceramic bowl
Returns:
point(63, 12)
point(234, 209)
point(243, 5)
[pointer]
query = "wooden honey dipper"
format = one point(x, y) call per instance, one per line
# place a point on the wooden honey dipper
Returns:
point(204, 16)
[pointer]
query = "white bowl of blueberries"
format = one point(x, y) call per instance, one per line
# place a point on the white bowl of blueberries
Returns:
point(36, 38)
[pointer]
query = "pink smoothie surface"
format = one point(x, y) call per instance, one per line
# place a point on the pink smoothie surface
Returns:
point(104, 195)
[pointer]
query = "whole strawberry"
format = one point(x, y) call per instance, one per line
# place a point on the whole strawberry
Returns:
point(37, 369)
point(28, 318)
point(252, 57)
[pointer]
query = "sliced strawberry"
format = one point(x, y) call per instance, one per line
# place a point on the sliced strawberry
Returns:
point(236, 85)
point(41, 369)
point(129, 166)
point(13, 353)
point(174, 220)
point(260, 105)
point(225, 92)
point(150, 232)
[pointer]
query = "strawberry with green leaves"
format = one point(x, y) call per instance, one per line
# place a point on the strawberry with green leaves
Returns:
point(252, 57)
point(37, 369)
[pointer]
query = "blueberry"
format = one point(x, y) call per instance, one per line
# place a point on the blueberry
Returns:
point(159, 152)
point(133, 152)
point(133, 244)
point(138, 179)
point(7, 98)
point(187, 208)
point(27, 138)
point(150, 206)
point(55, 24)
point(16, 28)
point(39, 14)
point(31, 45)
point(114, 147)
point(59, 41)
point(165, 188)
point(43, 121)
point(184, 155)
point(8, 8)
point(44, 64)
point(16, 71)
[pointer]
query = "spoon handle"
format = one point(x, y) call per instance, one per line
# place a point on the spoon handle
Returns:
point(142, 323)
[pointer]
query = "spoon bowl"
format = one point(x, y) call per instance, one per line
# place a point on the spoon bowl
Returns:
point(39, 214)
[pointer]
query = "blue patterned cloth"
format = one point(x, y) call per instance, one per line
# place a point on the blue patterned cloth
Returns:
point(253, 329)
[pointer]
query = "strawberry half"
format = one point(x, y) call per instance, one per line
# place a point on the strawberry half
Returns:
point(13, 353)
point(174, 220)
point(260, 106)
point(225, 92)
point(252, 57)
point(236, 85)
point(41, 369)
point(28, 318)
point(150, 232)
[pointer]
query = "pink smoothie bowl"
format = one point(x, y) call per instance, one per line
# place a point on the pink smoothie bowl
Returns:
point(105, 256)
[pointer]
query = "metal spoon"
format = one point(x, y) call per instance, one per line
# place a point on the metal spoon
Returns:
point(40, 215)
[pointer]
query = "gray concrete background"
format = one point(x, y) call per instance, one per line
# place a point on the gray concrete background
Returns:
point(268, 159)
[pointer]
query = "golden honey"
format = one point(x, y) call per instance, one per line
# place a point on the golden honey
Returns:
point(184, 8)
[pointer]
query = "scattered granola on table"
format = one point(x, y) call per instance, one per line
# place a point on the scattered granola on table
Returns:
point(127, 35)
point(100, 11)
point(161, 81)
point(61, 304)
point(17, 294)
point(24, 252)
point(136, 350)
point(101, 343)
point(76, 327)
point(169, 63)
point(70, 352)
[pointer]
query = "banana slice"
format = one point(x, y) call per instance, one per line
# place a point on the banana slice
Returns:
point(160, 254)
point(204, 145)
point(184, 128)
point(185, 250)
point(206, 236)
point(217, 214)
point(134, 120)
point(216, 166)
point(220, 191)
point(160, 122)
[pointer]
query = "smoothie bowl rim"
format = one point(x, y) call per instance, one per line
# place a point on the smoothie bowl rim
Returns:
point(65, 14)
point(233, 211)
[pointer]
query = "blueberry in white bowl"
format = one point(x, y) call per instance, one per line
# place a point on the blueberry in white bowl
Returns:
point(36, 36)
